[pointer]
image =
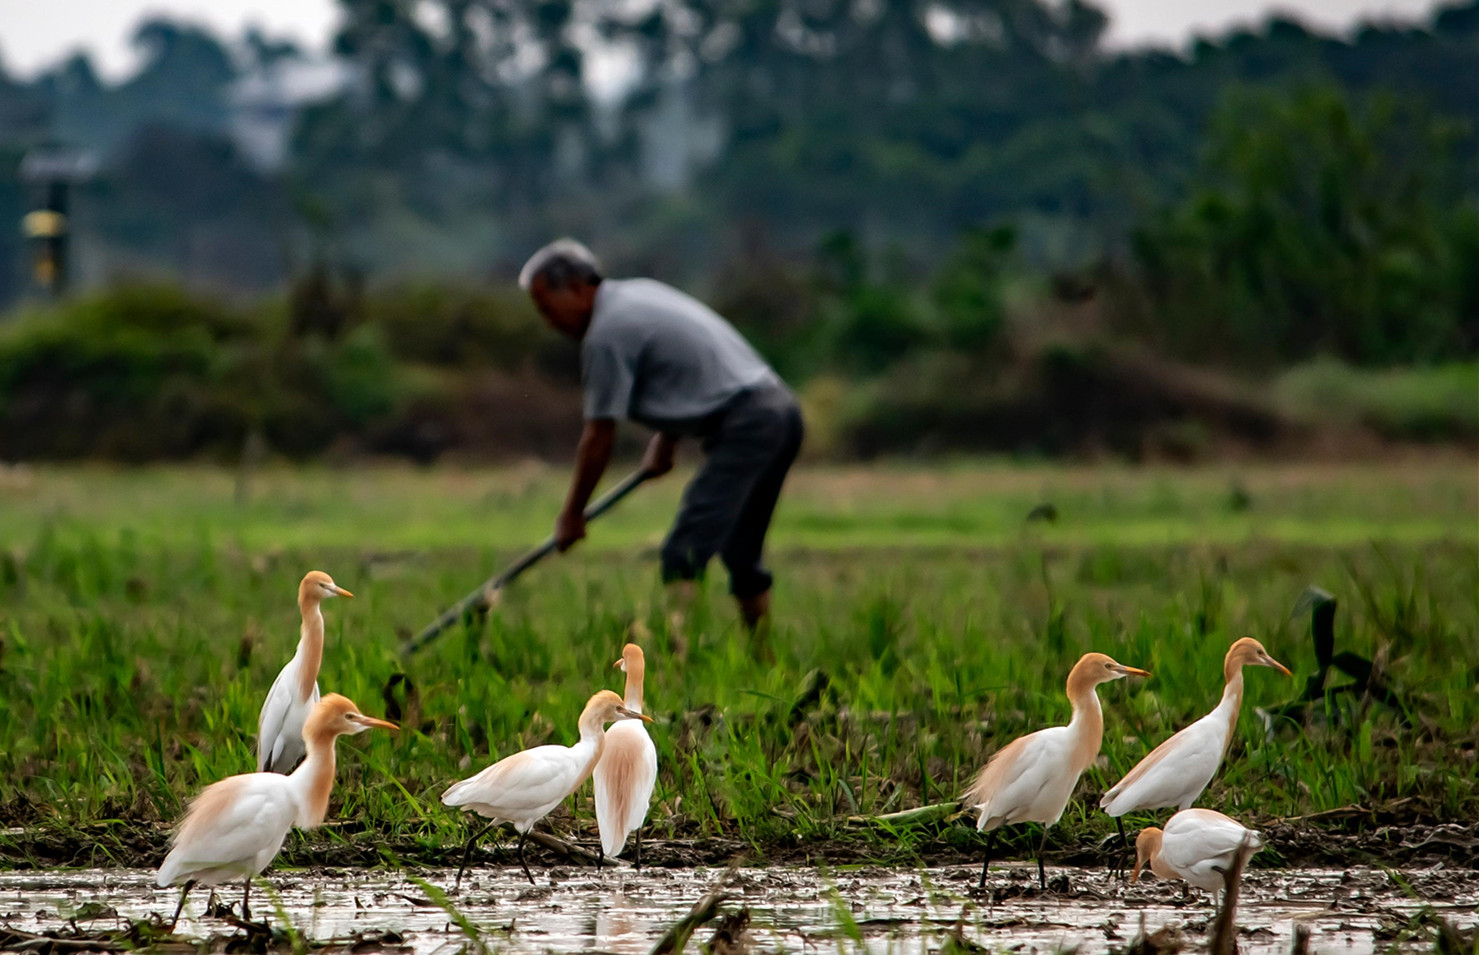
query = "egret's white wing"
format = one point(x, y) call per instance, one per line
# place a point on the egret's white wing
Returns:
point(1175, 773)
point(523, 786)
point(1029, 780)
point(1197, 843)
point(233, 828)
point(1206, 832)
point(624, 779)
point(274, 716)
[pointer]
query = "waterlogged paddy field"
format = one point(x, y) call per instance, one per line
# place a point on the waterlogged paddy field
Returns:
point(790, 909)
point(922, 621)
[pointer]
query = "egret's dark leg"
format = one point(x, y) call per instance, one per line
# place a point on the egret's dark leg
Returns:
point(1124, 845)
point(990, 850)
point(468, 852)
point(246, 901)
point(525, 865)
point(600, 857)
point(1042, 874)
point(181, 907)
point(637, 864)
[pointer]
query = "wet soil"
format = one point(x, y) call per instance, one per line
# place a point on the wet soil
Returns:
point(1340, 838)
point(788, 908)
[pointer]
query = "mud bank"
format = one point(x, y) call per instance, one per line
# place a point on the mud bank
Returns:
point(1332, 841)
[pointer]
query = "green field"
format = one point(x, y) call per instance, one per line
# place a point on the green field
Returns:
point(144, 613)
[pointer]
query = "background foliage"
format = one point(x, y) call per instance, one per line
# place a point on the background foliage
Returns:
point(970, 211)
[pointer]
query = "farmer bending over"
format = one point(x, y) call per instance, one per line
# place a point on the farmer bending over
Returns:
point(651, 354)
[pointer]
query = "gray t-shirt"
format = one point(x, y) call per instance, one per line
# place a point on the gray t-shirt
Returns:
point(657, 356)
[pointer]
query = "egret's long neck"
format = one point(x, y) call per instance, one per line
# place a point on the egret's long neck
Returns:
point(1232, 700)
point(313, 780)
point(592, 741)
point(1159, 867)
point(1087, 726)
point(310, 648)
point(635, 674)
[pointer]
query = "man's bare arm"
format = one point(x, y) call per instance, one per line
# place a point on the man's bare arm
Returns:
point(592, 455)
point(660, 452)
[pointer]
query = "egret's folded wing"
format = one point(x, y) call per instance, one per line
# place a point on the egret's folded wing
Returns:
point(1013, 781)
point(1175, 771)
point(274, 715)
point(231, 822)
point(521, 783)
point(1194, 837)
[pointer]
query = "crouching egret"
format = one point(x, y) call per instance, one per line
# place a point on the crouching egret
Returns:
point(235, 827)
point(525, 787)
point(295, 691)
point(1031, 778)
point(1177, 771)
point(1198, 845)
point(627, 770)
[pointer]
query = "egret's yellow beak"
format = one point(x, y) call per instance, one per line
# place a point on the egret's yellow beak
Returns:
point(1133, 671)
point(341, 591)
point(633, 715)
point(1279, 666)
point(373, 723)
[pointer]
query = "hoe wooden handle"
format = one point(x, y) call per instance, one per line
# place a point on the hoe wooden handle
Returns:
point(483, 597)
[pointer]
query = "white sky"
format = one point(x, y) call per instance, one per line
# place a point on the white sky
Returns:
point(36, 33)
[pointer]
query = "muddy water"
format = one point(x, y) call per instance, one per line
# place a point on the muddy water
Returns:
point(792, 909)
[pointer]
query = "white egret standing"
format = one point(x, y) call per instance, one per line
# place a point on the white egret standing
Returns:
point(1198, 845)
point(1179, 770)
point(235, 827)
point(295, 691)
point(523, 788)
point(1031, 778)
point(627, 770)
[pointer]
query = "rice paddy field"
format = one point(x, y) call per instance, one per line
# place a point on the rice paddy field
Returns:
point(924, 617)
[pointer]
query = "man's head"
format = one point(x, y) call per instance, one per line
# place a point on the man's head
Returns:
point(562, 279)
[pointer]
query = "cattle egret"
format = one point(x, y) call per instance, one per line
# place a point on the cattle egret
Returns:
point(235, 827)
point(1177, 771)
point(627, 770)
point(1031, 778)
point(295, 691)
point(525, 787)
point(1198, 845)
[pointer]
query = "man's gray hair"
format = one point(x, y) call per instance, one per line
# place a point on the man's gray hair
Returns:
point(561, 263)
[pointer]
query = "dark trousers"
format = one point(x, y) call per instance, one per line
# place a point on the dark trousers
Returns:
point(726, 509)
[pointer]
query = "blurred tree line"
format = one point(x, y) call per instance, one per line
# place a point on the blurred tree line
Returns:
point(961, 209)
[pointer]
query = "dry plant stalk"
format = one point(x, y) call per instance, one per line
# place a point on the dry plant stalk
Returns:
point(676, 937)
point(1225, 929)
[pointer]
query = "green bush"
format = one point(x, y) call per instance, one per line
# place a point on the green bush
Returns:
point(868, 317)
point(1317, 225)
point(119, 346)
point(148, 372)
point(969, 290)
point(457, 326)
point(1062, 400)
point(1439, 403)
point(126, 373)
